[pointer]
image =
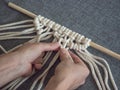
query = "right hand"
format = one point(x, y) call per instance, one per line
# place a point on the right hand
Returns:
point(69, 74)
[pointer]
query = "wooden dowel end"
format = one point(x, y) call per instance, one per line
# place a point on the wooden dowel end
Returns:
point(24, 11)
point(105, 50)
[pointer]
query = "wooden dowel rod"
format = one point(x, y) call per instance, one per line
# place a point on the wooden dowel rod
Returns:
point(92, 44)
point(105, 50)
point(24, 11)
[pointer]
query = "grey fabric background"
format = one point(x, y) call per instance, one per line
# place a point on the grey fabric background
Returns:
point(96, 19)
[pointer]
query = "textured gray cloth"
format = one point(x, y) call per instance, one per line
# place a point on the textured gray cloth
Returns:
point(96, 19)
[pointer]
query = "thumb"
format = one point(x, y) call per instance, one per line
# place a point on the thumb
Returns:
point(65, 56)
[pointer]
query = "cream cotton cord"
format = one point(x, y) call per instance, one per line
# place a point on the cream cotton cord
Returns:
point(45, 29)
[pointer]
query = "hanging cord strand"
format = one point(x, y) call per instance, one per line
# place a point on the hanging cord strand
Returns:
point(106, 69)
point(16, 86)
point(92, 70)
point(14, 82)
point(109, 71)
point(2, 48)
point(88, 56)
point(16, 23)
point(66, 37)
point(42, 36)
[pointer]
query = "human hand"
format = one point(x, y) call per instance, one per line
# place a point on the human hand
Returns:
point(69, 74)
point(32, 54)
point(20, 62)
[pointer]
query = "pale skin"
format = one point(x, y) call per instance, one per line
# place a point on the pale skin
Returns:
point(70, 73)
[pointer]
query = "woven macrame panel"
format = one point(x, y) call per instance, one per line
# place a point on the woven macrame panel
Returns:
point(84, 17)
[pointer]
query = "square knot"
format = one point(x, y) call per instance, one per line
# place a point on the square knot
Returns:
point(65, 36)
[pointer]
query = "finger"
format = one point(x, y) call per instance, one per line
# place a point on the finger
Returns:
point(34, 50)
point(76, 58)
point(49, 46)
point(65, 56)
point(39, 59)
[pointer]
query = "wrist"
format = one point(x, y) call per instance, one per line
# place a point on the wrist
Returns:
point(9, 68)
point(14, 62)
point(18, 66)
point(24, 68)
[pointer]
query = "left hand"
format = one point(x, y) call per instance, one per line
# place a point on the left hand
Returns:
point(31, 54)
point(20, 62)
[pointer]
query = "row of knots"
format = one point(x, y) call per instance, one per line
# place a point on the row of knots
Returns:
point(66, 37)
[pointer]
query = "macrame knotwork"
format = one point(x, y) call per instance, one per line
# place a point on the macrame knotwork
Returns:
point(43, 29)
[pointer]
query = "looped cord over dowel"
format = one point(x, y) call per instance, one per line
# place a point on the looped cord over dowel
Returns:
point(61, 32)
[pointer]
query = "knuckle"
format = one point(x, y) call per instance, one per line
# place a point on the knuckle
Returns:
point(83, 82)
point(87, 72)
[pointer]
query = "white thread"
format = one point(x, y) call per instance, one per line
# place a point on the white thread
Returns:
point(45, 29)
point(12, 83)
point(16, 23)
point(1, 47)
point(17, 27)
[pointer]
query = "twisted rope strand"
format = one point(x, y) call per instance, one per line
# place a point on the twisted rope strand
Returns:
point(46, 29)
point(1, 47)
point(16, 23)
point(16, 27)
point(81, 55)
